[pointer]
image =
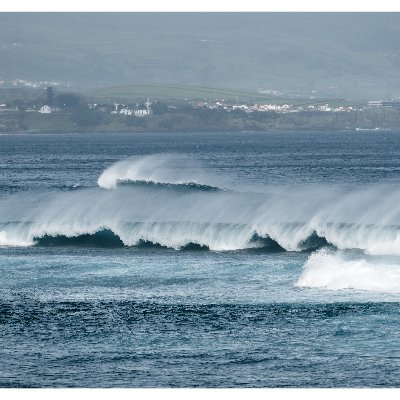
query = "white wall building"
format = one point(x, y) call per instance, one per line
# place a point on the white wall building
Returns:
point(45, 110)
point(142, 113)
point(375, 103)
point(126, 111)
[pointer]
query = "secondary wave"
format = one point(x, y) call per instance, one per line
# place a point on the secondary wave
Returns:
point(334, 270)
point(171, 186)
point(155, 169)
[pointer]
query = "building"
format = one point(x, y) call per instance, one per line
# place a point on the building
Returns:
point(375, 103)
point(126, 111)
point(47, 110)
point(142, 113)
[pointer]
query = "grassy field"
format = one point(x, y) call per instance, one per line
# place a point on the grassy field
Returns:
point(177, 93)
point(180, 92)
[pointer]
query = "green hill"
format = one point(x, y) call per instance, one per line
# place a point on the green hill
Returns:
point(180, 92)
point(336, 55)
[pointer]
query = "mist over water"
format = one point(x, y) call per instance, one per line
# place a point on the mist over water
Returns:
point(166, 200)
point(117, 244)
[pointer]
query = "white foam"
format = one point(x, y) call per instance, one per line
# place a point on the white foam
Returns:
point(10, 240)
point(349, 218)
point(338, 270)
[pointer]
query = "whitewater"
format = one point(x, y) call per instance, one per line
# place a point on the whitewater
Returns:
point(213, 260)
point(174, 210)
point(160, 200)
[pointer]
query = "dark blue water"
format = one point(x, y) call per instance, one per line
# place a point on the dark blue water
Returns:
point(200, 260)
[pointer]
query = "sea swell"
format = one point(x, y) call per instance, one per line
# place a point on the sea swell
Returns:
point(152, 203)
point(161, 169)
point(179, 212)
point(171, 186)
point(217, 220)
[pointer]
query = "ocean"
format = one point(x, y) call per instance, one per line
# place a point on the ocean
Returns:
point(200, 260)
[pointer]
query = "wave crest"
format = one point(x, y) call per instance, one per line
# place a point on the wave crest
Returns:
point(170, 186)
point(153, 169)
point(164, 200)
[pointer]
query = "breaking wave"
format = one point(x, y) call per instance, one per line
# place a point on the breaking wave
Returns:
point(176, 235)
point(172, 186)
point(172, 202)
point(162, 169)
point(104, 238)
point(334, 270)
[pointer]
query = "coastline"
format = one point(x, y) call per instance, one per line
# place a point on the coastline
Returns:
point(359, 121)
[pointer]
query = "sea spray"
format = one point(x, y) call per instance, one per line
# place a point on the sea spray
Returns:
point(156, 168)
point(172, 214)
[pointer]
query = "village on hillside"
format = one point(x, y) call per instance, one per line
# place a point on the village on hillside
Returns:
point(69, 110)
point(54, 104)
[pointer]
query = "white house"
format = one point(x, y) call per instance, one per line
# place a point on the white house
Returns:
point(45, 110)
point(375, 103)
point(142, 113)
point(125, 111)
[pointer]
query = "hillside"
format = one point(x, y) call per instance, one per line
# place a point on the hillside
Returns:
point(180, 92)
point(336, 55)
